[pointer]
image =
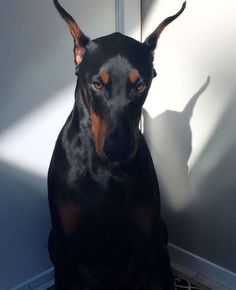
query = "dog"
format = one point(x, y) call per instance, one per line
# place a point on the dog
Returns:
point(107, 232)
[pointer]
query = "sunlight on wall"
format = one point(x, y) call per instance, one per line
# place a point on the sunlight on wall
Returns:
point(29, 143)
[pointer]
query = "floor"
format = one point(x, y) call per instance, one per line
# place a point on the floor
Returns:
point(197, 280)
point(184, 280)
point(182, 283)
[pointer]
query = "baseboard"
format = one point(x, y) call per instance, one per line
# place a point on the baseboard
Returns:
point(41, 281)
point(200, 266)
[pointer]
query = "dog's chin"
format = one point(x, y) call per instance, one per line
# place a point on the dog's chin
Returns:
point(116, 156)
point(120, 156)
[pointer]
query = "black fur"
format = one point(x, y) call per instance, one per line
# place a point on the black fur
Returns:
point(107, 232)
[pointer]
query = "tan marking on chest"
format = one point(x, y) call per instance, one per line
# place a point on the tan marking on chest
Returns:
point(70, 216)
point(145, 218)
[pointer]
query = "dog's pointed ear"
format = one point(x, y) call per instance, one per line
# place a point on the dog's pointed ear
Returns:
point(81, 41)
point(151, 40)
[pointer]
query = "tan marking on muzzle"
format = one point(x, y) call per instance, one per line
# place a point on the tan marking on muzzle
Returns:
point(99, 129)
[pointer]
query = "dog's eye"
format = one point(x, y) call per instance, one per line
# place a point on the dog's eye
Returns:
point(140, 87)
point(97, 86)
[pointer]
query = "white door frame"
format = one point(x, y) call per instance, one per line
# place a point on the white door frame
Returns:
point(128, 17)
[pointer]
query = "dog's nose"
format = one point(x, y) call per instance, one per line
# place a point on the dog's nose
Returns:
point(118, 145)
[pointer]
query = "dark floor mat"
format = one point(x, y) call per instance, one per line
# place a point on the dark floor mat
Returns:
point(181, 283)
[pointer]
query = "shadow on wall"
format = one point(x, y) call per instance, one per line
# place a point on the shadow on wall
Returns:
point(170, 141)
point(213, 176)
point(31, 45)
point(24, 220)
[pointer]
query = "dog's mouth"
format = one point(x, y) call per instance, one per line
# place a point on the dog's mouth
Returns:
point(113, 150)
point(119, 156)
point(120, 150)
point(120, 145)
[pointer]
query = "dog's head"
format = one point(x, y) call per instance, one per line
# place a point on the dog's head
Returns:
point(114, 75)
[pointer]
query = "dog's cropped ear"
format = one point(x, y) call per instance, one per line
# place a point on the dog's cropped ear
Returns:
point(81, 41)
point(151, 40)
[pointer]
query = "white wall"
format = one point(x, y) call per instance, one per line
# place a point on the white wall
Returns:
point(195, 156)
point(194, 147)
point(36, 95)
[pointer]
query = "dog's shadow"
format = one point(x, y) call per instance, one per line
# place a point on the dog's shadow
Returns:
point(169, 137)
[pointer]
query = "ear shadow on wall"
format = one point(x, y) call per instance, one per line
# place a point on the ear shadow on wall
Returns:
point(170, 141)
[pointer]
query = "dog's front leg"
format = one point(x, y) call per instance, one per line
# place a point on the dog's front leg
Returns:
point(57, 252)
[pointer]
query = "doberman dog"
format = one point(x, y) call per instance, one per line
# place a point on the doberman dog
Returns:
point(107, 232)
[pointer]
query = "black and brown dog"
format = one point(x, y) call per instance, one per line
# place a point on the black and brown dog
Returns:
point(107, 232)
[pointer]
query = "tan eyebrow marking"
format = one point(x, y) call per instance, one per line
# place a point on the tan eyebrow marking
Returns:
point(105, 77)
point(133, 76)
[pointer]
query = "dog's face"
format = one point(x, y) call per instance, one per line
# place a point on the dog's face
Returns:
point(114, 76)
